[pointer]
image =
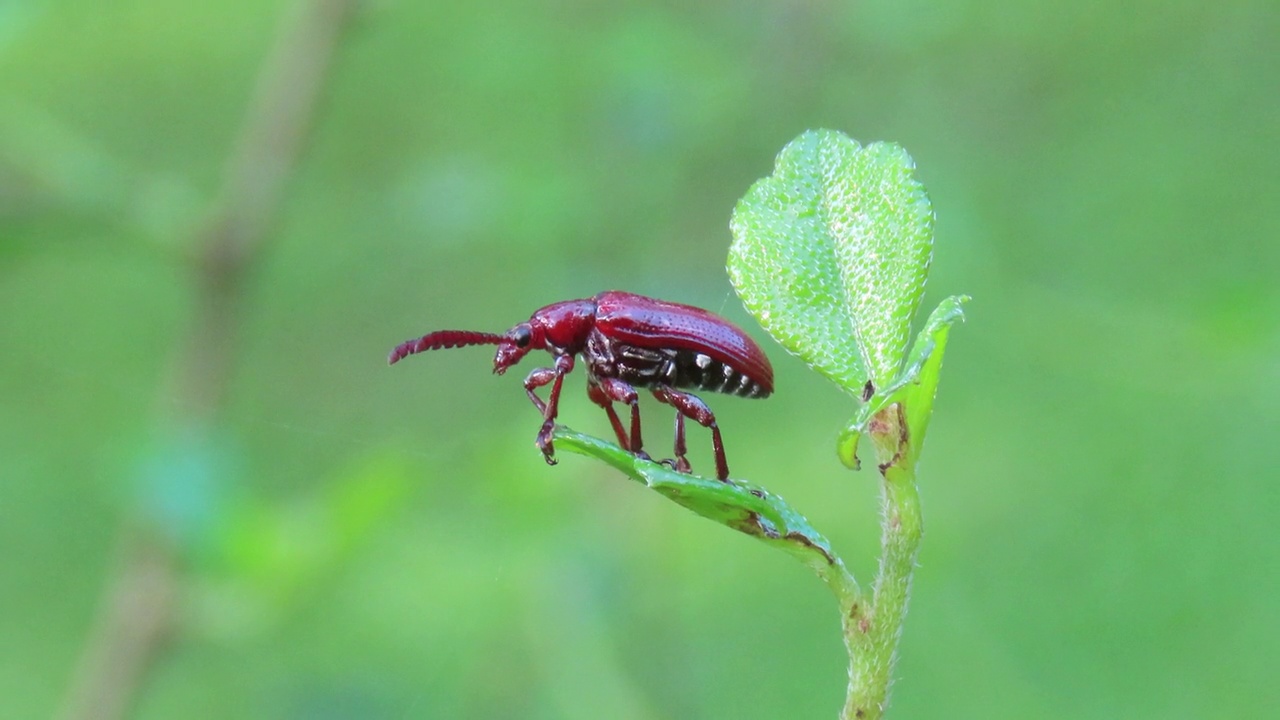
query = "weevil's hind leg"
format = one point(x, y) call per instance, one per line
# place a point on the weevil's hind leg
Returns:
point(536, 379)
point(598, 397)
point(691, 406)
point(616, 390)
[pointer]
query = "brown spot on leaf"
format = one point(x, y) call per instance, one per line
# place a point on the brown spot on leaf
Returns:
point(752, 524)
point(804, 540)
point(859, 713)
point(868, 391)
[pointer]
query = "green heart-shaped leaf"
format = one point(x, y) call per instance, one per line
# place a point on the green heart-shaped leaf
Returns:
point(830, 253)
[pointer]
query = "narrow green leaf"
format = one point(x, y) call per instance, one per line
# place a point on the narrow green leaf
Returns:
point(830, 254)
point(925, 364)
point(738, 504)
point(915, 387)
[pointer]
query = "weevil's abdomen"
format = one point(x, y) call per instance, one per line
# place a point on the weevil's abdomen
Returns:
point(683, 369)
point(695, 370)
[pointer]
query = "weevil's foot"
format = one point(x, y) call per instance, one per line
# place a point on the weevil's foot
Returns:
point(544, 442)
point(548, 453)
point(679, 465)
point(642, 455)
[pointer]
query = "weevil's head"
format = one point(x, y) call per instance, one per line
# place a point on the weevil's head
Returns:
point(560, 329)
point(516, 343)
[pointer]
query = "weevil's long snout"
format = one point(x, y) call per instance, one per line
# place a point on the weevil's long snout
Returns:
point(508, 354)
point(516, 343)
point(440, 340)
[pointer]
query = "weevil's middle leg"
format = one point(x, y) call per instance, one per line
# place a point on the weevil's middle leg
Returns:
point(616, 390)
point(598, 397)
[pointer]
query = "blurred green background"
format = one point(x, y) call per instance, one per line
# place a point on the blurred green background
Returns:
point(358, 541)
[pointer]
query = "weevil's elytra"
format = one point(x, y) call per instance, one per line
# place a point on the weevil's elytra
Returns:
point(627, 341)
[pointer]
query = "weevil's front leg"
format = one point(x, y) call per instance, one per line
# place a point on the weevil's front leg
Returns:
point(692, 407)
point(536, 379)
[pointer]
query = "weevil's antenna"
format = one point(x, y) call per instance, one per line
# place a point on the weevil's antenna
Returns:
point(442, 339)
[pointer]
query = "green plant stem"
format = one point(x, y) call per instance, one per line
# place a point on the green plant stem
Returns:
point(871, 634)
point(872, 623)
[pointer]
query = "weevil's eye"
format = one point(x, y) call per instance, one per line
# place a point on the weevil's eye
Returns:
point(522, 336)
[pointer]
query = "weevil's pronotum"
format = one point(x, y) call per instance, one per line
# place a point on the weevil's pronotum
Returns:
point(627, 341)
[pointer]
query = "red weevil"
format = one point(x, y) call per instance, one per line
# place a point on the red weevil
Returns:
point(627, 341)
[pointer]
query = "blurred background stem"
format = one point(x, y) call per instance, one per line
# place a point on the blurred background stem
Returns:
point(138, 612)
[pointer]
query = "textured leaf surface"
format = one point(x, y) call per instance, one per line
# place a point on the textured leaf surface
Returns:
point(830, 254)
